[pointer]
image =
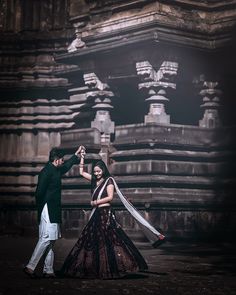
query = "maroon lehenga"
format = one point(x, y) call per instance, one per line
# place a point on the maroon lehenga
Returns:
point(103, 250)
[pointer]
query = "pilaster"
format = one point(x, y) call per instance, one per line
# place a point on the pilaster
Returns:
point(211, 105)
point(156, 86)
point(101, 95)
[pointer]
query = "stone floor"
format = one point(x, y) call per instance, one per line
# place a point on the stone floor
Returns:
point(174, 268)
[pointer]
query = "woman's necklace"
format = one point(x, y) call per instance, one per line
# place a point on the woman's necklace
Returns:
point(100, 181)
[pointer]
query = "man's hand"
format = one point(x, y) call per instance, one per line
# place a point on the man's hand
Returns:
point(81, 148)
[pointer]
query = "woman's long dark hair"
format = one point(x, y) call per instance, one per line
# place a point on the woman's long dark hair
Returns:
point(105, 172)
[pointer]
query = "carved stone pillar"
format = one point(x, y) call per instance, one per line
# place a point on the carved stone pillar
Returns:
point(101, 95)
point(156, 86)
point(211, 104)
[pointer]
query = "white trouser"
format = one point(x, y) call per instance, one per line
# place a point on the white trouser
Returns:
point(48, 234)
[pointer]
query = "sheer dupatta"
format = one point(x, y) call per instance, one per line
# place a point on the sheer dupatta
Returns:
point(149, 231)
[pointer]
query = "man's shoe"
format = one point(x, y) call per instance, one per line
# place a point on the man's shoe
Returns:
point(30, 274)
point(49, 276)
point(59, 273)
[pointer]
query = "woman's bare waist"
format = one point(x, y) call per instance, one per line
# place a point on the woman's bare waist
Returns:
point(104, 205)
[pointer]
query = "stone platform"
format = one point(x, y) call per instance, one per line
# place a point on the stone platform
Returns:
point(175, 268)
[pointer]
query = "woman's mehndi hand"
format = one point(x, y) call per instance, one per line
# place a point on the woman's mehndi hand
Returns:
point(93, 203)
point(83, 153)
point(79, 150)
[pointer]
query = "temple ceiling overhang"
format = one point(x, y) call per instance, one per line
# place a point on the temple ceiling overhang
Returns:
point(133, 29)
point(191, 23)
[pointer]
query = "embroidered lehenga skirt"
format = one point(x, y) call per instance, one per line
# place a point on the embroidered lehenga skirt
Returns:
point(103, 250)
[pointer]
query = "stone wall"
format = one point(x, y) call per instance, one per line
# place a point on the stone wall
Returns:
point(34, 105)
point(146, 85)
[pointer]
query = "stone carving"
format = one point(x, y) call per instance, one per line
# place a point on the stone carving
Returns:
point(92, 81)
point(146, 71)
point(101, 95)
point(156, 85)
point(77, 43)
point(211, 104)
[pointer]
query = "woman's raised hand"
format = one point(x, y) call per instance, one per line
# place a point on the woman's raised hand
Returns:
point(83, 153)
point(79, 150)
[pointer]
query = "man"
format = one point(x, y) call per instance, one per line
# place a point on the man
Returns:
point(48, 202)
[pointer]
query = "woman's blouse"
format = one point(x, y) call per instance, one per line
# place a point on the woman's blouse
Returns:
point(98, 189)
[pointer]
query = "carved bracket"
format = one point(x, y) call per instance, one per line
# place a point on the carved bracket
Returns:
point(92, 81)
point(163, 77)
point(77, 43)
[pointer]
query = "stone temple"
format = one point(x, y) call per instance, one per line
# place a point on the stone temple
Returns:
point(148, 86)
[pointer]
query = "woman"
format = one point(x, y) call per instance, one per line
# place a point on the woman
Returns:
point(103, 250)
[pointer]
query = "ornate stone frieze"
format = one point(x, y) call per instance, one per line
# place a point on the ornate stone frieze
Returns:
point(191, 19)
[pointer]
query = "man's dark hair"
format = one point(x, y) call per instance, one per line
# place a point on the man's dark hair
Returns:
point(55, 154)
